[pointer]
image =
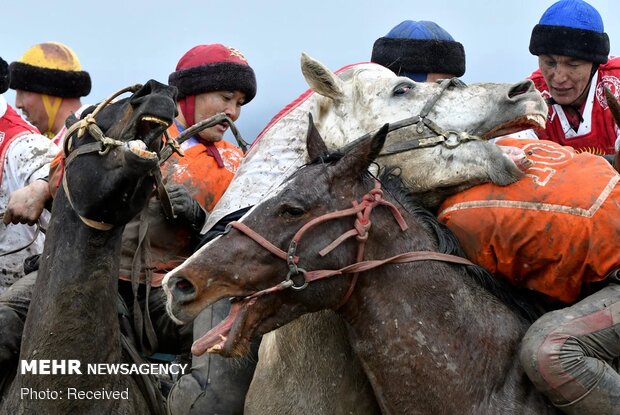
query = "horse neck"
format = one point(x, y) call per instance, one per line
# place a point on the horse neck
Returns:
point(276, 154)
point(435, 312)
point(75, 296)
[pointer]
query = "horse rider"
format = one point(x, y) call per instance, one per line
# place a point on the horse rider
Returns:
point(211, 79)
point(25, 155)
point(568, 352)
point(420, 50)
point(49, 82)
point(574, 67)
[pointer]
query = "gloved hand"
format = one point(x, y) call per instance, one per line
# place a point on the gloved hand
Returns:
point(184, 206)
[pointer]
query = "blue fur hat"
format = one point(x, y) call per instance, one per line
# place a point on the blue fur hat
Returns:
point(571, 28)
point(414, 49)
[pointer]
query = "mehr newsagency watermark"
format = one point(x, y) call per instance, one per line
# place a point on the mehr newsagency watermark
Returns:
point(74, 367)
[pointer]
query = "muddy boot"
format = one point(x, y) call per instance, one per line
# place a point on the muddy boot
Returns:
point(216, 384)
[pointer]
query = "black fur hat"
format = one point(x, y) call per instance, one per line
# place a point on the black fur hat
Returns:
point(213, 67)
point(571, 28)
point(4, 76)
point(416, 48)
point(50, 68)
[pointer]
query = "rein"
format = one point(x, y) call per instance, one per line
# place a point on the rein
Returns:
point(361, 210)
point(102, 145)
point(174, 146)
point(448, 138)
point(39, 229)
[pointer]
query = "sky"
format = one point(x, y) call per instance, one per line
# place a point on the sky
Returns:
point(124, 42)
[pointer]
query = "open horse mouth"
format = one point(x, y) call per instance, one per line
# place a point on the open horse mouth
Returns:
point(517, 124)
point(228, 335)
point(148, 129)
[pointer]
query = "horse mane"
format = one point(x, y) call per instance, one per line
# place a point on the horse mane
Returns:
point(517, 299)
point(523, 302)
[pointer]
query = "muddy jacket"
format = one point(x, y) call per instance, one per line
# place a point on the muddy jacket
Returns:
point(597, 132)
point(167, 243)
point(553, 231)
point(24, 157)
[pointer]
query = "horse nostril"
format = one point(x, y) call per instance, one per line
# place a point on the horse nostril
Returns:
point(520, 89)
point(183, 290)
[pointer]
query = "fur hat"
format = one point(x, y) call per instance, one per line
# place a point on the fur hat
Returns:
point(50, 68)
point(213, 67)
point(571, 28)
point(415, 49)
point(4, 76)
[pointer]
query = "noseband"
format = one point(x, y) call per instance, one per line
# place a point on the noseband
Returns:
point(102, 146)
point(420, 139)
point(361, 211)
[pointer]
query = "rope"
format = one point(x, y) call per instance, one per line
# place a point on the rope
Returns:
point(38, 230)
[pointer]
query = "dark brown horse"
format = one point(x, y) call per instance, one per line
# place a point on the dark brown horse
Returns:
point(73, 314)
point(433, 336)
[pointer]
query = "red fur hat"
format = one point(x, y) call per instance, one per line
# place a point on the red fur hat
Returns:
point(213, 67)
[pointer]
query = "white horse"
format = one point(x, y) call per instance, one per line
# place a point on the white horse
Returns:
point(440, 146)
point(359, 99)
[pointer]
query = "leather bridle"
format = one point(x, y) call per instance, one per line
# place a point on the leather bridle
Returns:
point(362, 211)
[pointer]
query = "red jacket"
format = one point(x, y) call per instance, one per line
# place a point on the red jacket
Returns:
point(553, 231)
point(598, 132)
point(12, 126)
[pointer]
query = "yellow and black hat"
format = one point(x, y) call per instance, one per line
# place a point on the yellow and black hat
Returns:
point(50, 68)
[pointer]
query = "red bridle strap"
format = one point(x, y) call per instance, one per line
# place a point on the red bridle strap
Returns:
point(362, 225)
point(260, 240)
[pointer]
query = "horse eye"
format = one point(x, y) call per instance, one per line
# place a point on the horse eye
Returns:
point(402, 89)
point(292, 211)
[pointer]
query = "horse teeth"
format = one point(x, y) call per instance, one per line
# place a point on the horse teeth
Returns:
point(138, 147)
point(136, 144)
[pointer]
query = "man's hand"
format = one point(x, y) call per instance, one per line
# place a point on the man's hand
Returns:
point(184, 206)
point(27, 204)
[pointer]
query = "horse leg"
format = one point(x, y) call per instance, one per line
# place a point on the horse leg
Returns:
point(216, 384)
point(14, 303)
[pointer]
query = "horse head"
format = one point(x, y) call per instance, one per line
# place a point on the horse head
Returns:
point(440, 131)
point(441, 147)
point(111, 154)
point(263, 300)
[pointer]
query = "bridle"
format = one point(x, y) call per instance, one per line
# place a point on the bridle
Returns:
point(102, 146)
point(426, 133)
point(362, 211)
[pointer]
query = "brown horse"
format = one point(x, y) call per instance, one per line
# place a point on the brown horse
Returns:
point(73, 314)
point(433, 336)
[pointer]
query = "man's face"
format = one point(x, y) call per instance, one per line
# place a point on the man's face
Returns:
point(32, 108)
point(210, 103)
point(566, 77)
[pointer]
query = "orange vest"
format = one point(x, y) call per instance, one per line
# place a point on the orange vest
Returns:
point(553, 231)
point(205, 180)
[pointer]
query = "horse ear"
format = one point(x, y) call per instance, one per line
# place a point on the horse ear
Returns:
point(71, 119)
point(315, 144)
point(321, 79)
point(614, 107)
point(613, 104)
point(358, 159)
